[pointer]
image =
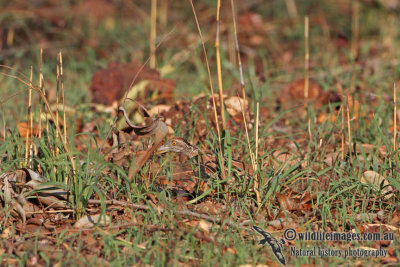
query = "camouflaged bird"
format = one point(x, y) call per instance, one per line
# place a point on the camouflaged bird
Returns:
point(207, 161)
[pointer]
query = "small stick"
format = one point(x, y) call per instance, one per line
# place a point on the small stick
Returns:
point(29, 121)
point(394, 117)
point(218, 57)
point(306, 58)
point(153, 33)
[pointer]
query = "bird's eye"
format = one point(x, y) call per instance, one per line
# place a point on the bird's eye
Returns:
point(173, 143)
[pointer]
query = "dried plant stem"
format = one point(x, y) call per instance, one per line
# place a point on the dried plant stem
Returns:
point(256, 180)
point(153, 33)
point(47, 105)
point(257, 123)
point(306, 58)
point(252, 158)
point(57, 100)
point(4, 120)
point(291, 7)
point(394, 118)
point(218, 57)
point(212, 88)
point(41, 89)
point(63, 98)
point(29, 121)
point(348, 122)
point(164, 14)
point(342, 133)
point(355, 29)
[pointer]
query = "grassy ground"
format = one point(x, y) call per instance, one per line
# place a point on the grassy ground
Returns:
point(308, 179)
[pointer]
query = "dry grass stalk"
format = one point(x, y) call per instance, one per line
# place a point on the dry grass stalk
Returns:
point(255, 167)
point(394, 117)
point(57, 100)
point(218, 57)
point(47, 105)
point(211, 86)
point(348, 121)
point(29, 122)
point(257, 123)
point(164, 14)
point(252, 158)
point(153, 33)
point(342, 133)
point(292, 9)
point(4, 121)
point(355, 29)
point(306, 57)
point(63, 98)
point(41, 89)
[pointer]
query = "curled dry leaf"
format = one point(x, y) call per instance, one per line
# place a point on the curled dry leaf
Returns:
point(154, 127)
point(89, 221)
point(376, 180)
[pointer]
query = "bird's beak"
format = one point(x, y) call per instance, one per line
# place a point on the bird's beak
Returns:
point(162, 149)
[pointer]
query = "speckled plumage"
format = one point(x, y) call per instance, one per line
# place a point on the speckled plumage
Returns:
point(207, 162)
